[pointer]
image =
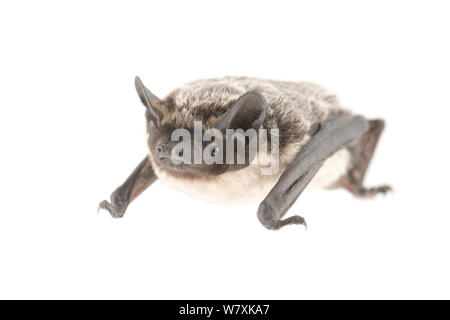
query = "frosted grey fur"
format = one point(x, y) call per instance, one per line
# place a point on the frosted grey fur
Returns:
point(293, 107)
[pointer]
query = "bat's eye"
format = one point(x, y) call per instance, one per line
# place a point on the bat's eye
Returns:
point(214, 151)
point(180, 153)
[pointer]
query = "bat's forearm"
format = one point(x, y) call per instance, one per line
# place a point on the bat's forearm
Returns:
point(333, 134)
point(139, 180)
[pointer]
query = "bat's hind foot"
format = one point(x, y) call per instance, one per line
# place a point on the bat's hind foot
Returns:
point(363, 192)
point(371, 192)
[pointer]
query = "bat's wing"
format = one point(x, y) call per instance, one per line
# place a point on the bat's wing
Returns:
point(331, 135)
point(142, 177)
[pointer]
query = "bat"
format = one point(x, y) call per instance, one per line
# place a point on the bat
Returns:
point(255, 140)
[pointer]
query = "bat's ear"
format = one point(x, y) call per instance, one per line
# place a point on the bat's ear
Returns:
point(247, 112)
point(149, 100)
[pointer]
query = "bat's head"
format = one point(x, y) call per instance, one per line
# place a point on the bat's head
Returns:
point(198, 149)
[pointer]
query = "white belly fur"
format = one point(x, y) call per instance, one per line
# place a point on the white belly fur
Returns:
point(249, 185)
point(236, 187)
point(333, 169)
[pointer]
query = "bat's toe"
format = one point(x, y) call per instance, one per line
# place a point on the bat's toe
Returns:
point(373, 191)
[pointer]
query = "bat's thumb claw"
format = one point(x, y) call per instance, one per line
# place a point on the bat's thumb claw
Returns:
point(116, 210)
point(104, 205)
point(292, 220)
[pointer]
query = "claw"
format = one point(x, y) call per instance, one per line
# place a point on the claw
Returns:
point(384, 189)
point(103, 205)
point(112, 209)
point(293, 220)
point(372, 192)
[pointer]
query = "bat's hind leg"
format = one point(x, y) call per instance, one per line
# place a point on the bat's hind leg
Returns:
point(362, 151)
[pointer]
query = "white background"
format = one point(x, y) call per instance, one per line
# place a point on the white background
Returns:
point(72, 129)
